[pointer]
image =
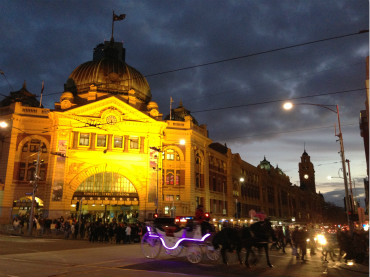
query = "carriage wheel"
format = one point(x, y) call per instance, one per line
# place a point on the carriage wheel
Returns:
point(194, 253)
point(175, 252)
point(150, 246)
point(212, 253)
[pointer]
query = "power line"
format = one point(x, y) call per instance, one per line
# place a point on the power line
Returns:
point(256, 54)
point(279, 100)
point(286, 132)
point(295, 77)
point(246, 56)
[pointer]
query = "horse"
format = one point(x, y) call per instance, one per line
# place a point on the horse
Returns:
point(257, 235)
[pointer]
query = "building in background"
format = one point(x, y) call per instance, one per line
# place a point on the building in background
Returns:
point(106, 152)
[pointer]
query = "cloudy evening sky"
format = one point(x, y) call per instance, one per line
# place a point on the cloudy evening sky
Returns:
point(232, 63)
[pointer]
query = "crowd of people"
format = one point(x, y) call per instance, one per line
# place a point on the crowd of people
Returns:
point(70, 228)
point(300, 238)
point(350, 247)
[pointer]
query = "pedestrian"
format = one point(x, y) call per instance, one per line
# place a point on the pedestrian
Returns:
point(312, 242)
point(16, 224)
point(300, 237)
point(288, 237)
point(128, 233)
point(295, 239)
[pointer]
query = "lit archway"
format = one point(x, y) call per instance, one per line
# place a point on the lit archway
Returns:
point(107, 196)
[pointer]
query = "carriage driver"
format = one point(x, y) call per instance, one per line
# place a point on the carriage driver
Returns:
point(199, 214)
point(203, 218)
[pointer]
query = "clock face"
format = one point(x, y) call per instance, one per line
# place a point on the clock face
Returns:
point(111, 119)
point(306, 176)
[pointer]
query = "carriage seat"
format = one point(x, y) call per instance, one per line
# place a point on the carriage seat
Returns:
point(167, 226)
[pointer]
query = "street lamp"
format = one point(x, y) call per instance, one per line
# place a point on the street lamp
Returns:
point(157, 169)
point(3, 124)
point(237, 213)
point(290, 105)
point(34, 189)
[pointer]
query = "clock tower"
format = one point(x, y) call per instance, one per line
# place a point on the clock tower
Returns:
point(307, 173)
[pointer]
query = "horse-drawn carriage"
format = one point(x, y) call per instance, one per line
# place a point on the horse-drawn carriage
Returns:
point(164, 233)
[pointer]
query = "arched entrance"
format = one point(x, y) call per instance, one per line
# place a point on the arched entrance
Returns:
point(106, 196)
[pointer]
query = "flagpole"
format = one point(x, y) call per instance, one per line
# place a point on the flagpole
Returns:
point(171, 100)
point(112, 25)
point(42, 90)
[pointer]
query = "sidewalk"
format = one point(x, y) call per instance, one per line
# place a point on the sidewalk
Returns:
point(352, 266)
point(7, 229)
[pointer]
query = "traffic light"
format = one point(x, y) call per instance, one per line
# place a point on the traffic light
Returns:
point(155, 215)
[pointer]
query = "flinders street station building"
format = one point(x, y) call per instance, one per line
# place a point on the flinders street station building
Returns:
point(107, 152)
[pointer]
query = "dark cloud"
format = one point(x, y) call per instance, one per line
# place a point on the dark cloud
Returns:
point(337, 193)
point(46, 40)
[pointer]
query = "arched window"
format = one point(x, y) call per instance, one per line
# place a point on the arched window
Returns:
point(27, 160)
point(170, 178)
point(106, 182)
point(172, 172)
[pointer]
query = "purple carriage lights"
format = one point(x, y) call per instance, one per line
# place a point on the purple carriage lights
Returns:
point(178, 242)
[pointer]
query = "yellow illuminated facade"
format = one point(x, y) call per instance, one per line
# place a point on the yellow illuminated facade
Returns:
point(107, 150)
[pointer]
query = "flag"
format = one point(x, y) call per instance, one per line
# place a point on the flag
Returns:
point(118, 17)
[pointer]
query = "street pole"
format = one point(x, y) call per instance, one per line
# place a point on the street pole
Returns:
point(288, 106)
point(344, 173)
point(156, 210)
point(36, 177)
point(79, 218)
point(353, 204)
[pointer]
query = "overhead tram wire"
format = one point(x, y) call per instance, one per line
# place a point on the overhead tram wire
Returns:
point(297, 76)
point(286, 132)
point(247, 56)
point(279, 100)
point(256, 54)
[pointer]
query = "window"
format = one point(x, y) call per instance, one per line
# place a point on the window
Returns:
point(270, 195)
point(22, 171)
point(134, 143)
point(118, 142)
point(25, 147)
point(101, 141)
point(31, 174)
point(169, 198)
point(35, 144)
point(197, 180)
point(43, 148)
point(170, 155)
point(177, 177)
point(214, 183)
point(199, 200)
point(106, 182)
point(84, 139)
point(42, 173)
point(170, 179)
